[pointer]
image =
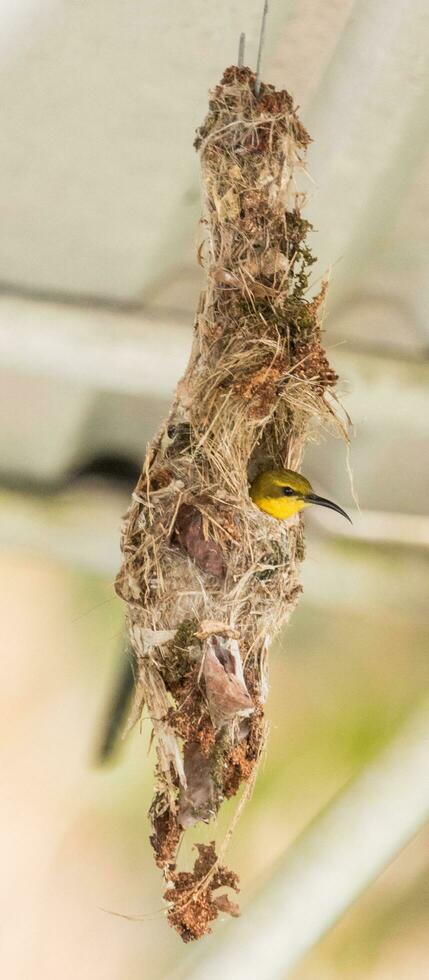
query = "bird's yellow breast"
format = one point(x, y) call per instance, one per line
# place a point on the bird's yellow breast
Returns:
point(280, 507)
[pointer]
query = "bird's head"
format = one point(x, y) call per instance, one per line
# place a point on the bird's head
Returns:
point(283, 493)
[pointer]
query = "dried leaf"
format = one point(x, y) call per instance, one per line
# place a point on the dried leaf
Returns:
point(197, 799)
point(158, 703)
point(189, 533)
point(226, 690)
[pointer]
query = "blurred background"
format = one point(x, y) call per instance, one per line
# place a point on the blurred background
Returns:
point(99, 205)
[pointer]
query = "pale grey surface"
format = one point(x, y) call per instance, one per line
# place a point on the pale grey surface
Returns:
point(370, 126)
point(98, 176)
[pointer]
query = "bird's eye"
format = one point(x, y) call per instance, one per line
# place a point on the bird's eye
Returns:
point(288, 492)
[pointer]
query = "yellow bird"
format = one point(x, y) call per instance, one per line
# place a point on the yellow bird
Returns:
point(282, 493)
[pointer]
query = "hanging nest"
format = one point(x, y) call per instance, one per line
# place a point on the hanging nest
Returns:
point(208, 579)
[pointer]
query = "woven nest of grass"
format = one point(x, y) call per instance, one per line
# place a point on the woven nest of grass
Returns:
point(209, 579)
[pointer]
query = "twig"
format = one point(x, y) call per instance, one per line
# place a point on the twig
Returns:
point(260, 49)
point(241, 47)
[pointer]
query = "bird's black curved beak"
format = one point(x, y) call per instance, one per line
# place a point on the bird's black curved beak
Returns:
point(313, 498)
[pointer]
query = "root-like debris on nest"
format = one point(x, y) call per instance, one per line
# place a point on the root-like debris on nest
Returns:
point(208, 579)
